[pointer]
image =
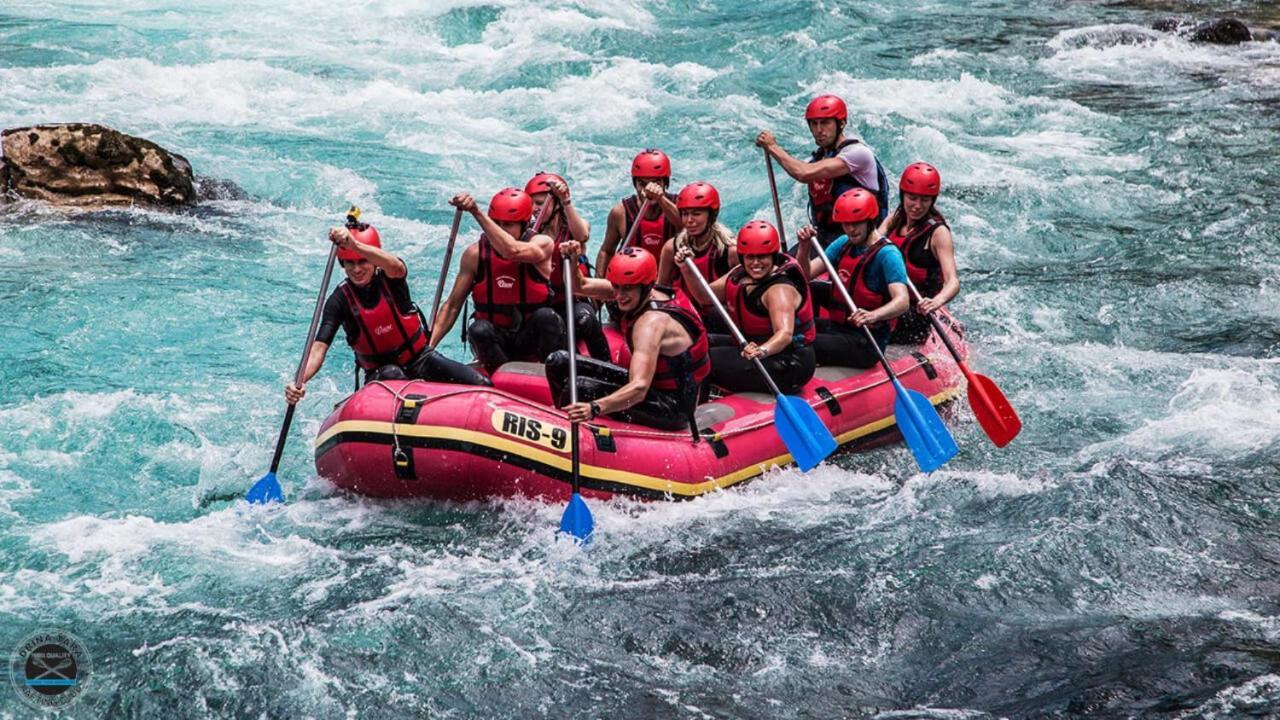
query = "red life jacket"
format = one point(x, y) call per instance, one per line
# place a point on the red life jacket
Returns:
point(823, 193)
point(922, 267)
point(853, 273)
point(387, 336)
point(682, 372)
point(713, 263)
point(504, 291)
point(652, 234)
point(557, 261)
point(749, 312)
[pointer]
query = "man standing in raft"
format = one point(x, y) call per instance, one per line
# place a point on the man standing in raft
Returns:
point(564, 223)
point(838, 165)
point(650, 177)
point(668, 344)
point(380, 320)
point(507, 278)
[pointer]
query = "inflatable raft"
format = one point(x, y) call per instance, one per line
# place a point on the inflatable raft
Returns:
point(412, 438)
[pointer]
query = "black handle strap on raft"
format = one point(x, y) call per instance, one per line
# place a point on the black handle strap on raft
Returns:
point(833, 405)
point(604, 439)
point(717, 444)
point(406, 414)
point(929, 370)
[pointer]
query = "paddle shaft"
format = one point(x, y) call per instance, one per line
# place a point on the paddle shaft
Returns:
point(448, 258)
point(573, 371)
point(848, 301)
point(631, 233)
point(724, 314)
point(773, 190)
point(306, 355)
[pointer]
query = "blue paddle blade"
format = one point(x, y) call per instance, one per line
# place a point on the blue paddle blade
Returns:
point(266, 490)
point(926, 436)
point(806, 438)
point(577, 521)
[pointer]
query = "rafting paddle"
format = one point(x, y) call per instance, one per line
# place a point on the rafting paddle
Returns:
point(576, 521)
point(773, 189)
point(918, 421)
point(448, 257)
point(996, 416)
point(631, 234)
point(267, 489)
point(806, 438)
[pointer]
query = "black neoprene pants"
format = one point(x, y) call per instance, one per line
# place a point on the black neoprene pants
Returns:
point(430, 365)
point(844, 345)
point(587, 328)
point(659, 409)
point(790, 369)
point(539, 335)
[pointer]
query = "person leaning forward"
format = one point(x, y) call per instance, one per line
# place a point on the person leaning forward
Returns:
point(507, 277)
point(668, 344)
point(379, 318)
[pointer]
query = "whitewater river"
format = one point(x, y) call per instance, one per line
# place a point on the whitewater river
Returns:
point(1113, 195)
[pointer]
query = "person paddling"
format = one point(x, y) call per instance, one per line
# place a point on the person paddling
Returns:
point(709, 243)
point(650, 178)
point(767, 297)
point(564, 223)
point(506, 276)
point(871, 269)
point(377, 314)
point(668, 344)
point(840, 164)
point(924, 238)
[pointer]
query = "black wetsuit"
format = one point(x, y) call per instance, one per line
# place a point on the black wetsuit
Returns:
point(427, 365)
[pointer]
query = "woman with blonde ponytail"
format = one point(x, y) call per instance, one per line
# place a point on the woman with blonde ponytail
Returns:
point(710, 245)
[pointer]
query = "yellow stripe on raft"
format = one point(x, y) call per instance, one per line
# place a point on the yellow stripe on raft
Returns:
point(624, 477)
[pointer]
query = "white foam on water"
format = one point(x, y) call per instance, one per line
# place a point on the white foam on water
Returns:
point(1257, 697)
point(939, 57)
point(1216, 411)
point(1141, 57)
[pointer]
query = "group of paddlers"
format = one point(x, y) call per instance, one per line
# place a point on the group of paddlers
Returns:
point(665, 264)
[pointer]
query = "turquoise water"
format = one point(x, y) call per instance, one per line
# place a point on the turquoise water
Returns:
point(1111, 192)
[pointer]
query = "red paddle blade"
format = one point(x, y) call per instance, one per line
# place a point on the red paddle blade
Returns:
point(996, 416)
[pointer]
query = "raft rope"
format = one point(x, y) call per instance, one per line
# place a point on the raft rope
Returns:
point(462, 389)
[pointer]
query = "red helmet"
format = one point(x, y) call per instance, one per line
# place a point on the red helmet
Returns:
point(651, 163)
point(511, 205)
point(826, 106)
point(363, 234)
point(854, 206)
point(758, 237)
point(540, 183)
point(632, 266)
point(921, 179)
point(698, 195)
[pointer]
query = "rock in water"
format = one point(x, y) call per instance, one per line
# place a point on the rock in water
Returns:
point(92, 166)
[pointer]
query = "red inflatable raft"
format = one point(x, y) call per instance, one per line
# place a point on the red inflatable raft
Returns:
point(411, 438)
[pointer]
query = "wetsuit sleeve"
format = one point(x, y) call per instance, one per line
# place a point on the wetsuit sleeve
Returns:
point(833, 250)
point(334, 315)
point(862, 165)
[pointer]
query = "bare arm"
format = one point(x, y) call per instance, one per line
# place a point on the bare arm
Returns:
point(596, 288)
point(801, 170)
point(443, 322)
point(667, 262)
point(381, 259)
point(781, 301)
point(943, 250)
point(294, 393)
point(647, 339)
